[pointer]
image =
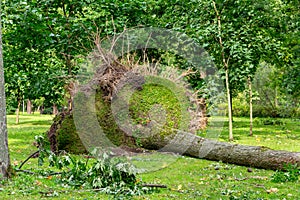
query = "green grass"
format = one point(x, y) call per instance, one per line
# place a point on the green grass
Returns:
point(21, 136)
point(281, 137)
point(186, 178)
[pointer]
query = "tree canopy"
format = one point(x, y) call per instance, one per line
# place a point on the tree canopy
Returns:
point(44, 41)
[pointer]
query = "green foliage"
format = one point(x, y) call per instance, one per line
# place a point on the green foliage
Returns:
point(272, 121)
point(240, 106)
point(268, 99)
point(58, 34)
point(111, 176)
point(246, 37)
point(31, 69)
point(290, 173)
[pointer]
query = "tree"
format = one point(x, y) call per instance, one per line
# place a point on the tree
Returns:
point(225, 61)
point(33, 66)
point(57, 34)
point(4, 153)
point(250, 106)
point(234, 33)
point(290, 34)
point(115, 139)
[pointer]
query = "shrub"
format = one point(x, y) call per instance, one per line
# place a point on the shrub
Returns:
point(240, 108)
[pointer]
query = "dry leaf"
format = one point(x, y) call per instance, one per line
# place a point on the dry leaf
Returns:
point(38, 182)
point(179, 187)
point(272, 190)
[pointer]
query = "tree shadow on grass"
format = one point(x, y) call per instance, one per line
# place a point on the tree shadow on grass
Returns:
point(40, 122)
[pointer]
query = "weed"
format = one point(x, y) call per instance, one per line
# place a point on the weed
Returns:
point(290, 173)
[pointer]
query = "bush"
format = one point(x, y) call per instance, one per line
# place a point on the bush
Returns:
point(241, 109)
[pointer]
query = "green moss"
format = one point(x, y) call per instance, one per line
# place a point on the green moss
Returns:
point(107, 121)
point(173, 106)
point(170, 103)
point(67, 137)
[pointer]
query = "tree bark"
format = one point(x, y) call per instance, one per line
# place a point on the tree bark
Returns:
point(275, 99)
point(54, 109)
point(29, 106)
point(41, 109)
point(203, 114)
point(252, 156)
point(18, 111)
point(250, 105)
point(229, 106)
point(4, 153)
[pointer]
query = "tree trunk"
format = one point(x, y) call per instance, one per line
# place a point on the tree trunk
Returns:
point(250, 105)
point(70, 89)
point(229, 105)
point(252, 156)
point(23, 106)
point(203, 115)
point(54, 109)
point(225, 65)
point(18, 111)
point(276, 100)
point(29, 106)
point(4, 153)
point(41, 109)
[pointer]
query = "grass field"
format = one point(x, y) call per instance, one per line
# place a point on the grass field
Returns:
point(186, 178)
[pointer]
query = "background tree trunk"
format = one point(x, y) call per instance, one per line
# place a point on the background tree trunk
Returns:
point(29, 106)
point(4, 153)
point(54, 109)
point(225, 66)
point(41, 109)
point(203, 114)
point(250, 105)
point(18, 111)
point(229, 106)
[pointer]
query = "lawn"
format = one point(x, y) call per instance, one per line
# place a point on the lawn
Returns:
point(186, 178)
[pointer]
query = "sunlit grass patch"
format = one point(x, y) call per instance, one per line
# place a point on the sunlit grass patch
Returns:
point(284, 136)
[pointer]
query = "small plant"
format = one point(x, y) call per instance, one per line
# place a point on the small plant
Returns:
point(290, 173)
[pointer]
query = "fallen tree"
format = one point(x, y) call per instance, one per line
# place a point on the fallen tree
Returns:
point(181, 142)
point(252, 156)
point(198, 147)
point(109, 103)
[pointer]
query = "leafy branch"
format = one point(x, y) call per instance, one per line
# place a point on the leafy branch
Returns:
point(108, 175)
